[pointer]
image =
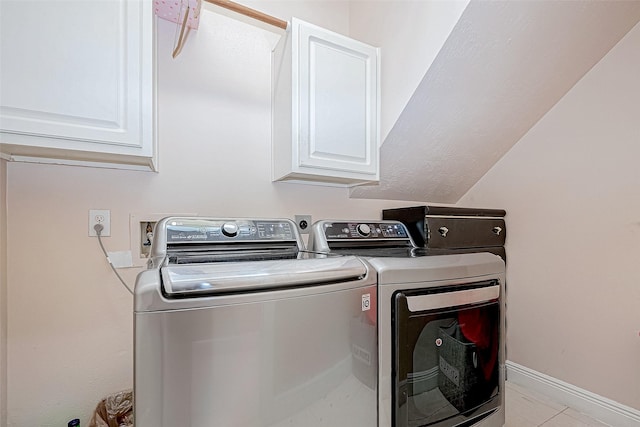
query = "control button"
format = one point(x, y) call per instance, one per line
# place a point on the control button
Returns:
point(363, 229)
point(229, 229)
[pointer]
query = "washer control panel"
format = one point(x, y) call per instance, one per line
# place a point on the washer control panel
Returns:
point(379, 230)
point(188, 230)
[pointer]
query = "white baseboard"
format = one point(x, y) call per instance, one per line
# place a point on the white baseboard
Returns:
point(591, 404)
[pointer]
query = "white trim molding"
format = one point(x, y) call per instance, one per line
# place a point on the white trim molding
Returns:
point(591, 404)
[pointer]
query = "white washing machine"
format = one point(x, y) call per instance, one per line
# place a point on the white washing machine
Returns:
point(236, 326)
point(440, 326)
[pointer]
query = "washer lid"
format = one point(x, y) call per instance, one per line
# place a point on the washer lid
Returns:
point(194, 280)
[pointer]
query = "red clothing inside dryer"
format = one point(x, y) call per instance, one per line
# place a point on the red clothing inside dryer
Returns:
point(479, 327)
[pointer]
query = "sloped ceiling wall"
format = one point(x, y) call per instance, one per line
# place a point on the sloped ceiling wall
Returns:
point(409, 34)
point(504, 65)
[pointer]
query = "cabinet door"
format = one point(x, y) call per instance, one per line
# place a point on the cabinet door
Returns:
point(77, 75)
point(338, 111)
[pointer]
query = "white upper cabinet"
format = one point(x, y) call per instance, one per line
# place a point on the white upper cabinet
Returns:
point(77, 82)
point(325, 107)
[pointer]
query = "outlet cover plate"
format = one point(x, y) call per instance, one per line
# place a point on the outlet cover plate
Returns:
point(303, 222)
point(100, 216)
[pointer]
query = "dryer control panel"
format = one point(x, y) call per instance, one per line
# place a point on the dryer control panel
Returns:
point(364, 230)
point(329, 236)
point(384, 237)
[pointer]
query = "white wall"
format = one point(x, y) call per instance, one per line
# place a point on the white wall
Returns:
point(571, 190)
point(333, 16)
point(3, 292)
point(70, 321)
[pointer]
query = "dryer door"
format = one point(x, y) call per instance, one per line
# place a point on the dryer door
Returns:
point(446, 355)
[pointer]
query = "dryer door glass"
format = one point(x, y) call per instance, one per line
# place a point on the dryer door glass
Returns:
point(446, 355)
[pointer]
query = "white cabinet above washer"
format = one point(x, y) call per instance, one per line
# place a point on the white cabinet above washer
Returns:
point(77, 82)
point(325, 104)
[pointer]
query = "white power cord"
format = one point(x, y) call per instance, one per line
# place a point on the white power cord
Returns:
point(99, 228)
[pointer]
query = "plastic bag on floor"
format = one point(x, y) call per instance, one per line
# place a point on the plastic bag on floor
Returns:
point(115, 410)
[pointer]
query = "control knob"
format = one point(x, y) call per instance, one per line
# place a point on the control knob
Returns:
point(363, 229)
point(230, 229)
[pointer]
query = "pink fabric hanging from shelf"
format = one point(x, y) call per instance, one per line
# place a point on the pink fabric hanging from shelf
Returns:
point(174, 10)
point(186, 13)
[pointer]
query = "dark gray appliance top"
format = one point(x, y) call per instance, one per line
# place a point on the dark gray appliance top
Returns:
point(447, 211)
point(452, 228)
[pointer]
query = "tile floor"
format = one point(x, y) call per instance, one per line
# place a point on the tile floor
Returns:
point(525, 408)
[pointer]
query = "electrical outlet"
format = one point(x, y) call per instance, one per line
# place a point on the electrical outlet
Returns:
point(100, 216)
point(304, 223)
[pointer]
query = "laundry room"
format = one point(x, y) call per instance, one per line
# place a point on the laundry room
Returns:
point(551, 136)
